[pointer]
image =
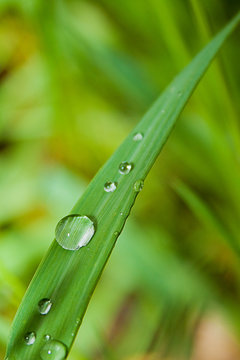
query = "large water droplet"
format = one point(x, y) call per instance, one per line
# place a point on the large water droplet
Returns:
point(30, 338)
point(138, 136)
point(138, 185)
point(125, 168)
point(53, 350)
point(44, 306)
point(110, 186)
point(74, 231)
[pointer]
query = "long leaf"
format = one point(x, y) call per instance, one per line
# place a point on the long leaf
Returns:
point(67, 277)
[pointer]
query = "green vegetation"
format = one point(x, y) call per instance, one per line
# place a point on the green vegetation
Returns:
point(65, 98)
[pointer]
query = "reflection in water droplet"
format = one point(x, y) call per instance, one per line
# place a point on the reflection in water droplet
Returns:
point(138, 136)
point(138, 185)
point(44, 306)
point(30, 338)
point(110, 186)
point(74, 231)
point(125, 168)
point(53, 350)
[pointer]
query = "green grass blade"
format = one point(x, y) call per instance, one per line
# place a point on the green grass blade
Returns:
point(206, 215)
point(68, 278)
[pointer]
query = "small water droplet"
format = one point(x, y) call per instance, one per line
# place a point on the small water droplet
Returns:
point(110, 186)
point(47, 337)
point(138, 185)
point(74, 231)
point(30, 338)
point(121, 213)
point(138, 136)
point(116, 233)
point(125, 168)
point(53, 350)
point(44, 306)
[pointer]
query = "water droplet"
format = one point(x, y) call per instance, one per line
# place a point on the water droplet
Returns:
point(138, 185)
point(125, 168)
point(138, 136)
point(121, 213)
point(44, 306)
point(116, 233)
point(30, 338)
point(110, 186)
point(47, 337)
point(53, 350)
point(74, 231)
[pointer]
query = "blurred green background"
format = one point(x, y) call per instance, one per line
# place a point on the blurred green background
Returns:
point(75, 76)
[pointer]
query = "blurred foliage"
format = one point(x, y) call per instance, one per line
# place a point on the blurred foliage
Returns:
point(75, 76)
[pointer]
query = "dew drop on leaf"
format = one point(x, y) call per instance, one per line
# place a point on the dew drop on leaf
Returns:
point(30, 338)
point(74, 231)
point(53, 350)
point(125, 168)
point(47, 337)
point(138, 136)
point(44, 306)
point(138, 185)
point(110, 186)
